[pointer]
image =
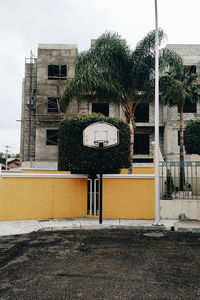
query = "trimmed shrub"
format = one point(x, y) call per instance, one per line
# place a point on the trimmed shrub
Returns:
point(192, 137)
point(75, 157)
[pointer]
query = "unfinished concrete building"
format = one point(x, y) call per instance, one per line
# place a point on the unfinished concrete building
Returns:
point(45, 77)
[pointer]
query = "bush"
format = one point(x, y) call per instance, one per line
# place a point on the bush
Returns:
point(192, 137)
point(75, 157)
point(169, 186)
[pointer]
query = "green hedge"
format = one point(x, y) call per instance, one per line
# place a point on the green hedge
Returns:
point(192, 137)
point(75, 157)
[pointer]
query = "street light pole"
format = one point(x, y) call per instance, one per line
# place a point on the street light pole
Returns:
point(156, 155)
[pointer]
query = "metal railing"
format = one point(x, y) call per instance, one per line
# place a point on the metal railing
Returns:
point(180, 180)
point(93, 197)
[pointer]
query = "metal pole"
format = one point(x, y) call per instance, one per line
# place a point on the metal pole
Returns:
point(100, 198)
point(156, 162)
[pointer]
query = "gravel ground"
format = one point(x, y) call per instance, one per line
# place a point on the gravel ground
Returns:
point(100, 264)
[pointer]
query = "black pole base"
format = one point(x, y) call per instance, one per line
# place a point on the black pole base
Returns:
point(100, 198)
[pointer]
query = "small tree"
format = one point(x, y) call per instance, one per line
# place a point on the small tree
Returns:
point(177, 86)
point(192, 137)
point(169, 186)
point(2, 159)
point(75, 157)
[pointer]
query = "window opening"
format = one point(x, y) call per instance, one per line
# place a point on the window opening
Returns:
point(63, 71)
point(56, 72)
point(53, 105)
point(52, 137)
point(53, 71)
point(192, 69)
point(141, 143)
point(102, 108)
point(189, 107)
point(142, 160)
point(142, 112)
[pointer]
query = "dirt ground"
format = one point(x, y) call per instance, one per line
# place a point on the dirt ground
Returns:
point(100, 264)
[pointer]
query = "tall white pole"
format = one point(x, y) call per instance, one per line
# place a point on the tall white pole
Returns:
point(156, 156)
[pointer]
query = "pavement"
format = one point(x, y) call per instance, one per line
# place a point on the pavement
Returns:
point(26, 226)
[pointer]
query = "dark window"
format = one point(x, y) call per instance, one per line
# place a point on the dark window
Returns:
point(53, 71)
point(189, 107)
point(52, 137)
point(54, 105)
point(141, 143)
point(63, 71)
point(56, 72)
point(192, 69)
point(102, 108)
point(142, 160)
point(142, 112)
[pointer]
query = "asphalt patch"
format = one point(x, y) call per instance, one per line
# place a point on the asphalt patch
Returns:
point(100, 264)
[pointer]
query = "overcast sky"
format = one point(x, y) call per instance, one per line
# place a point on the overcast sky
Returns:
point(24, 24)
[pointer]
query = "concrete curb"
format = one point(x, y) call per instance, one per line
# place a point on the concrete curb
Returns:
point(100, 227)
point(184, 229)
point(24, 227)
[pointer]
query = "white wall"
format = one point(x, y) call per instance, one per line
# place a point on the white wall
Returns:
point(171, 209)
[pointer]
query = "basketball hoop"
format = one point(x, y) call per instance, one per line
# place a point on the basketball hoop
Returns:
point(100, 143)
point(100, 134)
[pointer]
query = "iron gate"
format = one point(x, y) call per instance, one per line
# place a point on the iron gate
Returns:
point(93, 197)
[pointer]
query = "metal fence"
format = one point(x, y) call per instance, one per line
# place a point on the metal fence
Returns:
point(93, 197)
point(180, 180)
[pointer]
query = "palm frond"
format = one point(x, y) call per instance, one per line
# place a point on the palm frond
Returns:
point(102, 71)
point(179, 85)
point(170, 59)
point(146, 46)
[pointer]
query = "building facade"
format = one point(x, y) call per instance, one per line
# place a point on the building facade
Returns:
point(46, 76)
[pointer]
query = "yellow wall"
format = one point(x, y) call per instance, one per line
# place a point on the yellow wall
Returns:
point(42, 198)
point(128, 198)
point(137, 170)
point(142, 170)
point(45, 171)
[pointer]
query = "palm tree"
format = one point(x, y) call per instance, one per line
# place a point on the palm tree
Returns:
point(111, 71)
point(177, 86)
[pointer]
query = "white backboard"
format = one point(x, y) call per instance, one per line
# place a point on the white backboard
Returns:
point(100, 134)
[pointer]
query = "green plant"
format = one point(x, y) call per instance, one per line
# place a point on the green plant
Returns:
point(188, 187)
point(169, 186)
point(75, 157)
point(2, 159)
point(192, 137)
point(178, 86)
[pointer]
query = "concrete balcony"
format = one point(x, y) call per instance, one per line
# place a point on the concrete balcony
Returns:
point(148, 124)
point(50, 117)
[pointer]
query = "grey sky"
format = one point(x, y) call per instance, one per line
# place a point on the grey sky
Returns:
point(24, 24)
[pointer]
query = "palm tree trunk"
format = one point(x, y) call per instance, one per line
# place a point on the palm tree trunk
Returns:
point(182, 171)
point(130, 119)
point(132, 132)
